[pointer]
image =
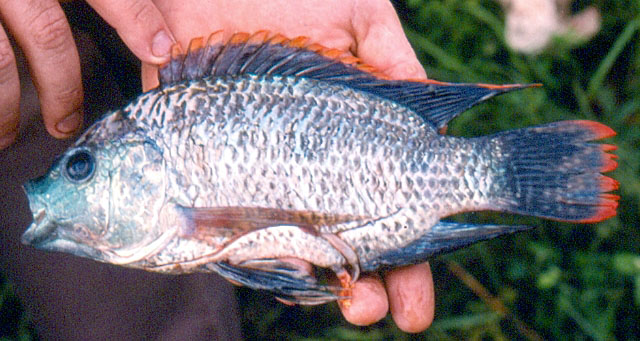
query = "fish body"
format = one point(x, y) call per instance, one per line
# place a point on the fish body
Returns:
point(262, 149)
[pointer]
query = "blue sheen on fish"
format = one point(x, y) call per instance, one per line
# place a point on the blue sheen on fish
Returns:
point(258, 149)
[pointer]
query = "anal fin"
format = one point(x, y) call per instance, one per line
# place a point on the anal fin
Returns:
point(443, 237)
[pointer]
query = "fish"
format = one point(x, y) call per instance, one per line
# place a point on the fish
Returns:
point(257, 149)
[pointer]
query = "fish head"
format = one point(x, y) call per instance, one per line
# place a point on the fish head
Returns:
point(101, 201)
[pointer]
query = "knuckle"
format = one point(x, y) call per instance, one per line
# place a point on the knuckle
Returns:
point(9, 122)
point(50, 29)
point(69, 96)
point(7, 60)
point(9, 119)
point(143, 11)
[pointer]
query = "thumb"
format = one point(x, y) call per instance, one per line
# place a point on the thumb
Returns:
point(382, 43)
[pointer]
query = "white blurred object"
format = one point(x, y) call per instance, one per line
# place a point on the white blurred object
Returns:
point(530, 24)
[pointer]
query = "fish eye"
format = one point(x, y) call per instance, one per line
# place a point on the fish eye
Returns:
point(79, 166)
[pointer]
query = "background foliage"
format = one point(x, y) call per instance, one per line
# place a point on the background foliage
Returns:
point(559, 281)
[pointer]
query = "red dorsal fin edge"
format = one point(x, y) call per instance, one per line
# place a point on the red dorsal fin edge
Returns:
point(266, 54)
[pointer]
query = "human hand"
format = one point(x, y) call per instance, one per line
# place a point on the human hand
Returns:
point(369, 30)
point(41, 30)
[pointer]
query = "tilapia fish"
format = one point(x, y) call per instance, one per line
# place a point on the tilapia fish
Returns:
point(259, 149)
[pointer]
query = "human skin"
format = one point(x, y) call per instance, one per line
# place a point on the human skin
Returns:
point(368, 29)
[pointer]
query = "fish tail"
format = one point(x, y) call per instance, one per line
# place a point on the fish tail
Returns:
point(551, 171)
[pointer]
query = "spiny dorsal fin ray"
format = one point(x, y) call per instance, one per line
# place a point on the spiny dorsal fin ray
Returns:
point(265, 54)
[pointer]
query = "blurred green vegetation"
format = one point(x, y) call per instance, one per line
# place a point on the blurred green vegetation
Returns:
point(559, 281)
point(14, 323)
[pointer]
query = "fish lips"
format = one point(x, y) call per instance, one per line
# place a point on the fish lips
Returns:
point(45, 233)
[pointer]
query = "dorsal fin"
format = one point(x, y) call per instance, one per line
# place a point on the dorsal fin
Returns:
point(265, 54)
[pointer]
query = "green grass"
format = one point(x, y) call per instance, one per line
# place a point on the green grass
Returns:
point(559, 281)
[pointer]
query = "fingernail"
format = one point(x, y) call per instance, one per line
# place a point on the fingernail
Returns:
point(161, 44)
point(8, 139)
point(70, 123)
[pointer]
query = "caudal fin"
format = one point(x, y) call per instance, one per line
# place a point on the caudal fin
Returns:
point(551, 171)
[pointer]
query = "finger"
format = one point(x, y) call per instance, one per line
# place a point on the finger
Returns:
point(9, 92)
point(140, 25)
point(42, 31)
point(368, 303)
point(382, 43)
point(411, 297)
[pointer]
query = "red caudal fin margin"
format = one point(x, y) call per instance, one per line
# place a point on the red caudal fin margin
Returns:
point(551, 171)
point(265, 54)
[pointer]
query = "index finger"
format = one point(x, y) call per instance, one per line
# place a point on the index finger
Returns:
point(42, 31)
point(140, 25)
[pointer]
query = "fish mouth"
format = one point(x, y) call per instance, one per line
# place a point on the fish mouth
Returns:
point(44, 235)
point(41, 232)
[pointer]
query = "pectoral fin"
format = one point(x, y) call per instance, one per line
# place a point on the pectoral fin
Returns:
point(235, 221)
point(249, 236)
